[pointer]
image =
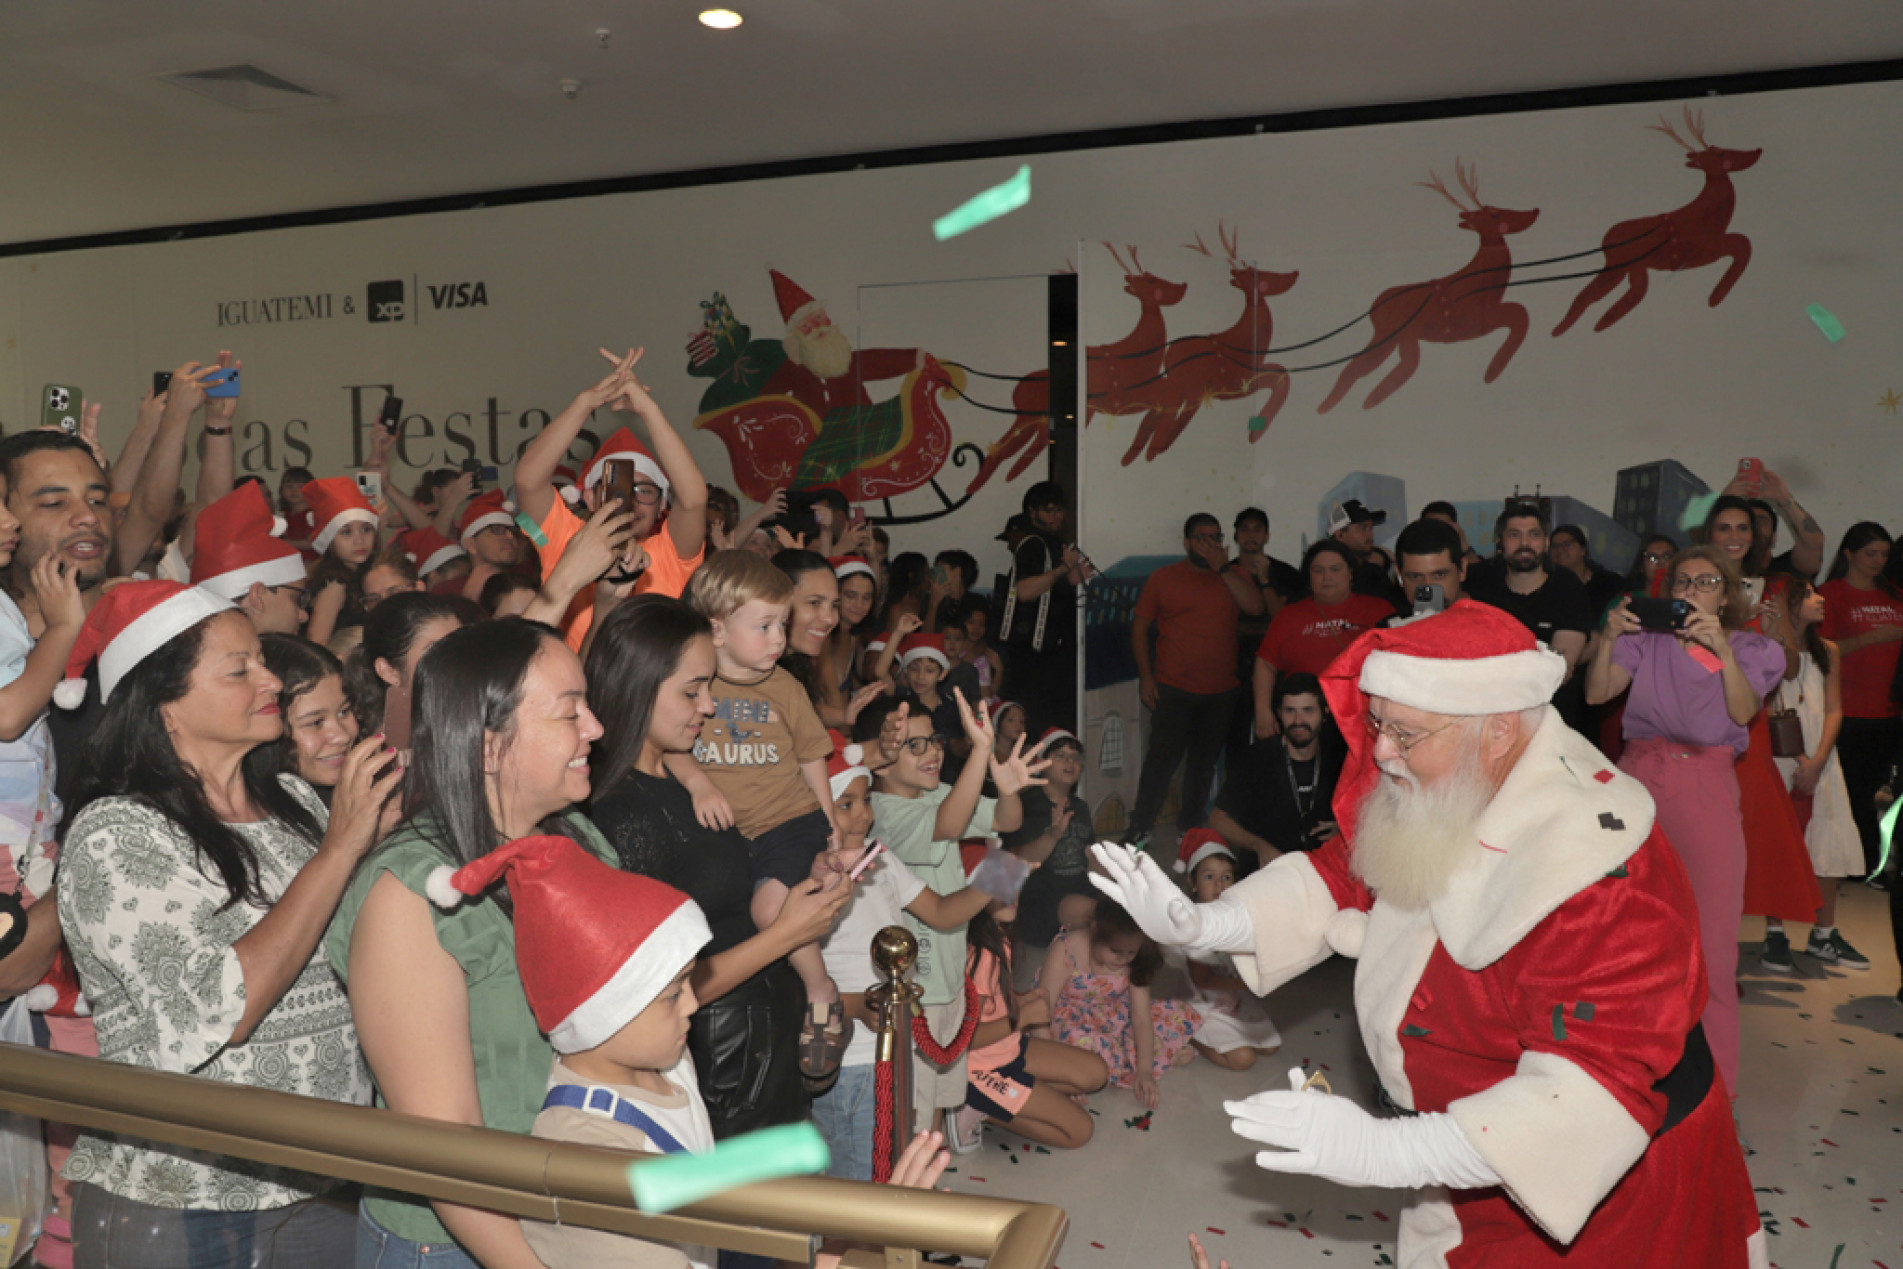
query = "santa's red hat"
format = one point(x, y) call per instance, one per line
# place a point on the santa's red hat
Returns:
point(997, 711)
point(789, 295)
point(594, 945)
point(58, 995)
point(915, 646)
point(1471, 660)
point(624, 446)
point(848, 763)
point(334, 502)
point(128, 624)
point(238, 544)
point(1051, 734)
point(484, 511)
point(1199, 844)
point(845, 566)
point(428, 549)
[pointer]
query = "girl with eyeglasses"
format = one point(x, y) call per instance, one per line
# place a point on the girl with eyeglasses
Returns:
point(1694, 691)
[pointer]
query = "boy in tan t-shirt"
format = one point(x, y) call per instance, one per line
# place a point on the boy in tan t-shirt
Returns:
point(760, 766)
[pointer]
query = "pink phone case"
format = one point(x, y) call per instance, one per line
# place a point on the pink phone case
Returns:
point(866, 861)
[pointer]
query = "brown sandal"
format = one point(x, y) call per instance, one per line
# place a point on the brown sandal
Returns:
point(823, 1038)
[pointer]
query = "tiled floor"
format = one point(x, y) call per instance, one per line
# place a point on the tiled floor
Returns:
point(1822, 1105)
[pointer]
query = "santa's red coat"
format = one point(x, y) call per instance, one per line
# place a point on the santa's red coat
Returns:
point(825, 396)
point(1543, 1002)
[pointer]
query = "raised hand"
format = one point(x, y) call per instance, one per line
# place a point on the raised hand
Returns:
point(1158, 906)
point(219, 411)
point(1198, 1258)
point(89, 433)
point(1061, 816)
point(864, 697)
point(907, 623)
point(892, 734)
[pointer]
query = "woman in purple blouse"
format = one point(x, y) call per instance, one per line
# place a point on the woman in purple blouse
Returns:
point(1695, 691)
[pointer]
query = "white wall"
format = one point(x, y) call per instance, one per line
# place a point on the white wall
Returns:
point(1676, 378)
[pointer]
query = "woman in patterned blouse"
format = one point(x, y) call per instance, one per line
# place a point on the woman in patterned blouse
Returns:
point(193, 899)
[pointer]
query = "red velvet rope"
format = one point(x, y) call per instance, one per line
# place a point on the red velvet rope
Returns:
point(946, 1054)
point(882, 1121)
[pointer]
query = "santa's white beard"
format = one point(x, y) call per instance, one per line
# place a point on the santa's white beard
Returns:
point(1410, 840)
point(825, 351)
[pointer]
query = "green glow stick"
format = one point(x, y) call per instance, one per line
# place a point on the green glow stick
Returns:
point(1826, 322)
point(1695, 511)
point(1886, 828)
point(661, 1185)
point(988, 205)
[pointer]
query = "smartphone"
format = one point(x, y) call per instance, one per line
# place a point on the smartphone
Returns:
point(221, 383)
point(618, 482)
point(391, 416)
point(858, 517)
point(1751, 470)
point(474, 467)
point(396, 718)
point(370, 484)
point(161, 380)
point(1661, 615)
point(866, 860)
point(60, 405)
point(941, 575)
point(1430, 598)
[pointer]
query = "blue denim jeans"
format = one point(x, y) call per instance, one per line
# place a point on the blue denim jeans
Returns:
point(844, 1117)
point(110, 1232)
point(378, 1248)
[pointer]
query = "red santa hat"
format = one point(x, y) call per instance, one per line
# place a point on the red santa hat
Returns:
point(58, 995)
point(429, 550)
point(789, 295)
point(624, 446)
point(848, 763)
point(845, 566)
point(238, 544)
point(1051, 734)
point(128, 624)
point(594, 945)
point(1199, 844)
point(566, 478)
point(334, 502)
point(1471, 660)
point(998, 712)
point(484, 511)
point(915, 646)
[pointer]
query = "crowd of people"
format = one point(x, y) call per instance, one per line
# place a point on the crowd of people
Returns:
point(312, 789)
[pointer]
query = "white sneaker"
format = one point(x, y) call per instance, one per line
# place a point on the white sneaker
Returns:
point(965, 1130)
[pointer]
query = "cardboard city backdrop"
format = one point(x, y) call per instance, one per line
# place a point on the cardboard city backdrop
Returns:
point(1608, 304)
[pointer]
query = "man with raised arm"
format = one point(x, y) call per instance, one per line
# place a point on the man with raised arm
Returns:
point(1529, 985)
point(669, 496)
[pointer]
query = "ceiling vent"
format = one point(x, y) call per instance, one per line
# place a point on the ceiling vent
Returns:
point(245, 88)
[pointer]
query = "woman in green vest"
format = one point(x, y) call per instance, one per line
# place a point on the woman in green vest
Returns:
point(500, 751)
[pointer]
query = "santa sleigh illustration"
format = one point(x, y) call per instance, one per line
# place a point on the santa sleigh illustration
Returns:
point(795, 414)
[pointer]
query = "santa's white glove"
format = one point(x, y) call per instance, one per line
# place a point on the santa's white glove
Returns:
point(1161, 909)
point(1332, 1138)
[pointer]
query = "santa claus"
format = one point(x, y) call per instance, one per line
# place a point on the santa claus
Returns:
point(821, 369)
point(1529, 981)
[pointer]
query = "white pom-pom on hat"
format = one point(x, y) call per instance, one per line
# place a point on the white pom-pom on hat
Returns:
point(441, 888)
point(70, 694)
point(41, 998)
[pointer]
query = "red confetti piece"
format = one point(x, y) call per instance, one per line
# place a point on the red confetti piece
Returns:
point(1827, 1141)
point(1800, 1222)
point(1278, 1224)
point(978, 1179)
point(1308, 1233)
point(1098, 1246)
point(1604, 777)
point(1212, 1229)
point(1378, 1216)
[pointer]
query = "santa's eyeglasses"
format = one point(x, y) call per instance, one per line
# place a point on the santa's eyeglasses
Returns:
point(1403, 739)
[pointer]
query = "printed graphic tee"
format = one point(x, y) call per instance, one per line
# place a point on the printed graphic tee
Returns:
point(753, 746)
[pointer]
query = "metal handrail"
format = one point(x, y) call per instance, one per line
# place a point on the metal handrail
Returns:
point(508, 1172)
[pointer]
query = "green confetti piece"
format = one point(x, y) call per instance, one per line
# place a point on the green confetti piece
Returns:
point(1583, 1011)
point(1840, 1247)
point(1886, 829)
point(997, 201)
point(1693, 516)
point(1826, 322)
point(1620, 871)
point(1415, 1032)
point(1559, 1022)
point(661, 1185)
point(1258, 424)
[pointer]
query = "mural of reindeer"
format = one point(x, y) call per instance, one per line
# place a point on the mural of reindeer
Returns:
point(1447, 310)
point(1112, 368)
point(1695, 235)
point(1198, 369)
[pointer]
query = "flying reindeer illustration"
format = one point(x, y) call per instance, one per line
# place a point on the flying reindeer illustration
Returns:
point(1691, 237)
point(1447, 310)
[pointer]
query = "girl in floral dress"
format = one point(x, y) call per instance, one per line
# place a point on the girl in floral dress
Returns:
point(1097, 980)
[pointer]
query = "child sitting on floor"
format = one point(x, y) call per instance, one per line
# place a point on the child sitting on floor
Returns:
point(615, 1005)
point(1098, 981)
point(1017, 1081)
point(1236, 1026)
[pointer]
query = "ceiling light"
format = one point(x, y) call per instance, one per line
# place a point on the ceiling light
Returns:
point(720, 19)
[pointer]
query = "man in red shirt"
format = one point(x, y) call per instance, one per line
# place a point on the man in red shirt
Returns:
point(1186, 669)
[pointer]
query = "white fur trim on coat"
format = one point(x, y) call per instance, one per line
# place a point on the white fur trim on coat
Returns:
point(1289, 906)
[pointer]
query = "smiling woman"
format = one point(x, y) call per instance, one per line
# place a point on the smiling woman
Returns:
point(194, 894)
point(320, 727)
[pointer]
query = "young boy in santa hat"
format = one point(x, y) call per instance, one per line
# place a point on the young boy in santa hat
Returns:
point(615, 1005)
point(886, 891)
